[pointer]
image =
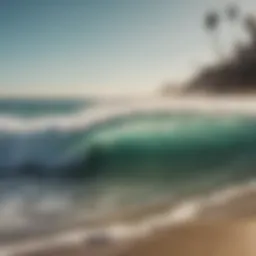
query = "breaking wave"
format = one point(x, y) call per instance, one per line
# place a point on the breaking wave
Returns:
point(156, 139)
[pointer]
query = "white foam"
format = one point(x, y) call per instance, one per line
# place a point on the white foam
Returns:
point(27, 138)
point(101, 113)
point(184, 212)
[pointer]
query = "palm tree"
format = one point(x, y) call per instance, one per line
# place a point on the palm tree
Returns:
point(250, 26)
point(211, 22)
point(232, 12)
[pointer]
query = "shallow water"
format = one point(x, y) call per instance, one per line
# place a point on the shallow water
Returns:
point(79, 167)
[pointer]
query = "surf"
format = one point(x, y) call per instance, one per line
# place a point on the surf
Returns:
point(76, 144)
point(74, 168)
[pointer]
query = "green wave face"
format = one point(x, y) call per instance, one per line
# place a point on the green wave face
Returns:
point(168, 147)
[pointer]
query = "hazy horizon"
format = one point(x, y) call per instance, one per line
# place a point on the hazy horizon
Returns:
point(80, 48)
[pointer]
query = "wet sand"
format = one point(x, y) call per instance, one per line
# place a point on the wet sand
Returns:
point(221, 230)
point(228, 238)
point(236, 238)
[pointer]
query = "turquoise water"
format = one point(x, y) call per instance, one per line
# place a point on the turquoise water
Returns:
point(96, 167)
point(41, 107)
point(161, 146)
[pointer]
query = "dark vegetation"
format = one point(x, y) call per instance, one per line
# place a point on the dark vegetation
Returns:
point(236, 74)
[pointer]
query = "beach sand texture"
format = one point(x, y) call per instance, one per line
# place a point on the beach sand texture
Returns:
point(215, 239)
point(229, 238)
point(231, 232)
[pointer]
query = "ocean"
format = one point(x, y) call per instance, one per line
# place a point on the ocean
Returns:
point(72, 163)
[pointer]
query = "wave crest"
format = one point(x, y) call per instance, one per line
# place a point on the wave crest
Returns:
point(105, 139)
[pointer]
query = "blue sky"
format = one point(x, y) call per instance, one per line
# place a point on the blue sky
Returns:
point(74, 47)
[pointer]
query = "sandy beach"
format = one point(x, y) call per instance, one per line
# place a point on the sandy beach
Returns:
point(234, 238)
point(224, 229)
point(228, 238)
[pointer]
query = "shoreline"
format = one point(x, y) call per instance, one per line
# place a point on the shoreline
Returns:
point(233, 205)
point(223, 238)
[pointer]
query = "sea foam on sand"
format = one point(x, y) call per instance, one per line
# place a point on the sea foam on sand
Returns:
point(189, 211)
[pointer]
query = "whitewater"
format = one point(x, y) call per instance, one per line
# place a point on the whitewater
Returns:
point(89, 161)
point(34, 140)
